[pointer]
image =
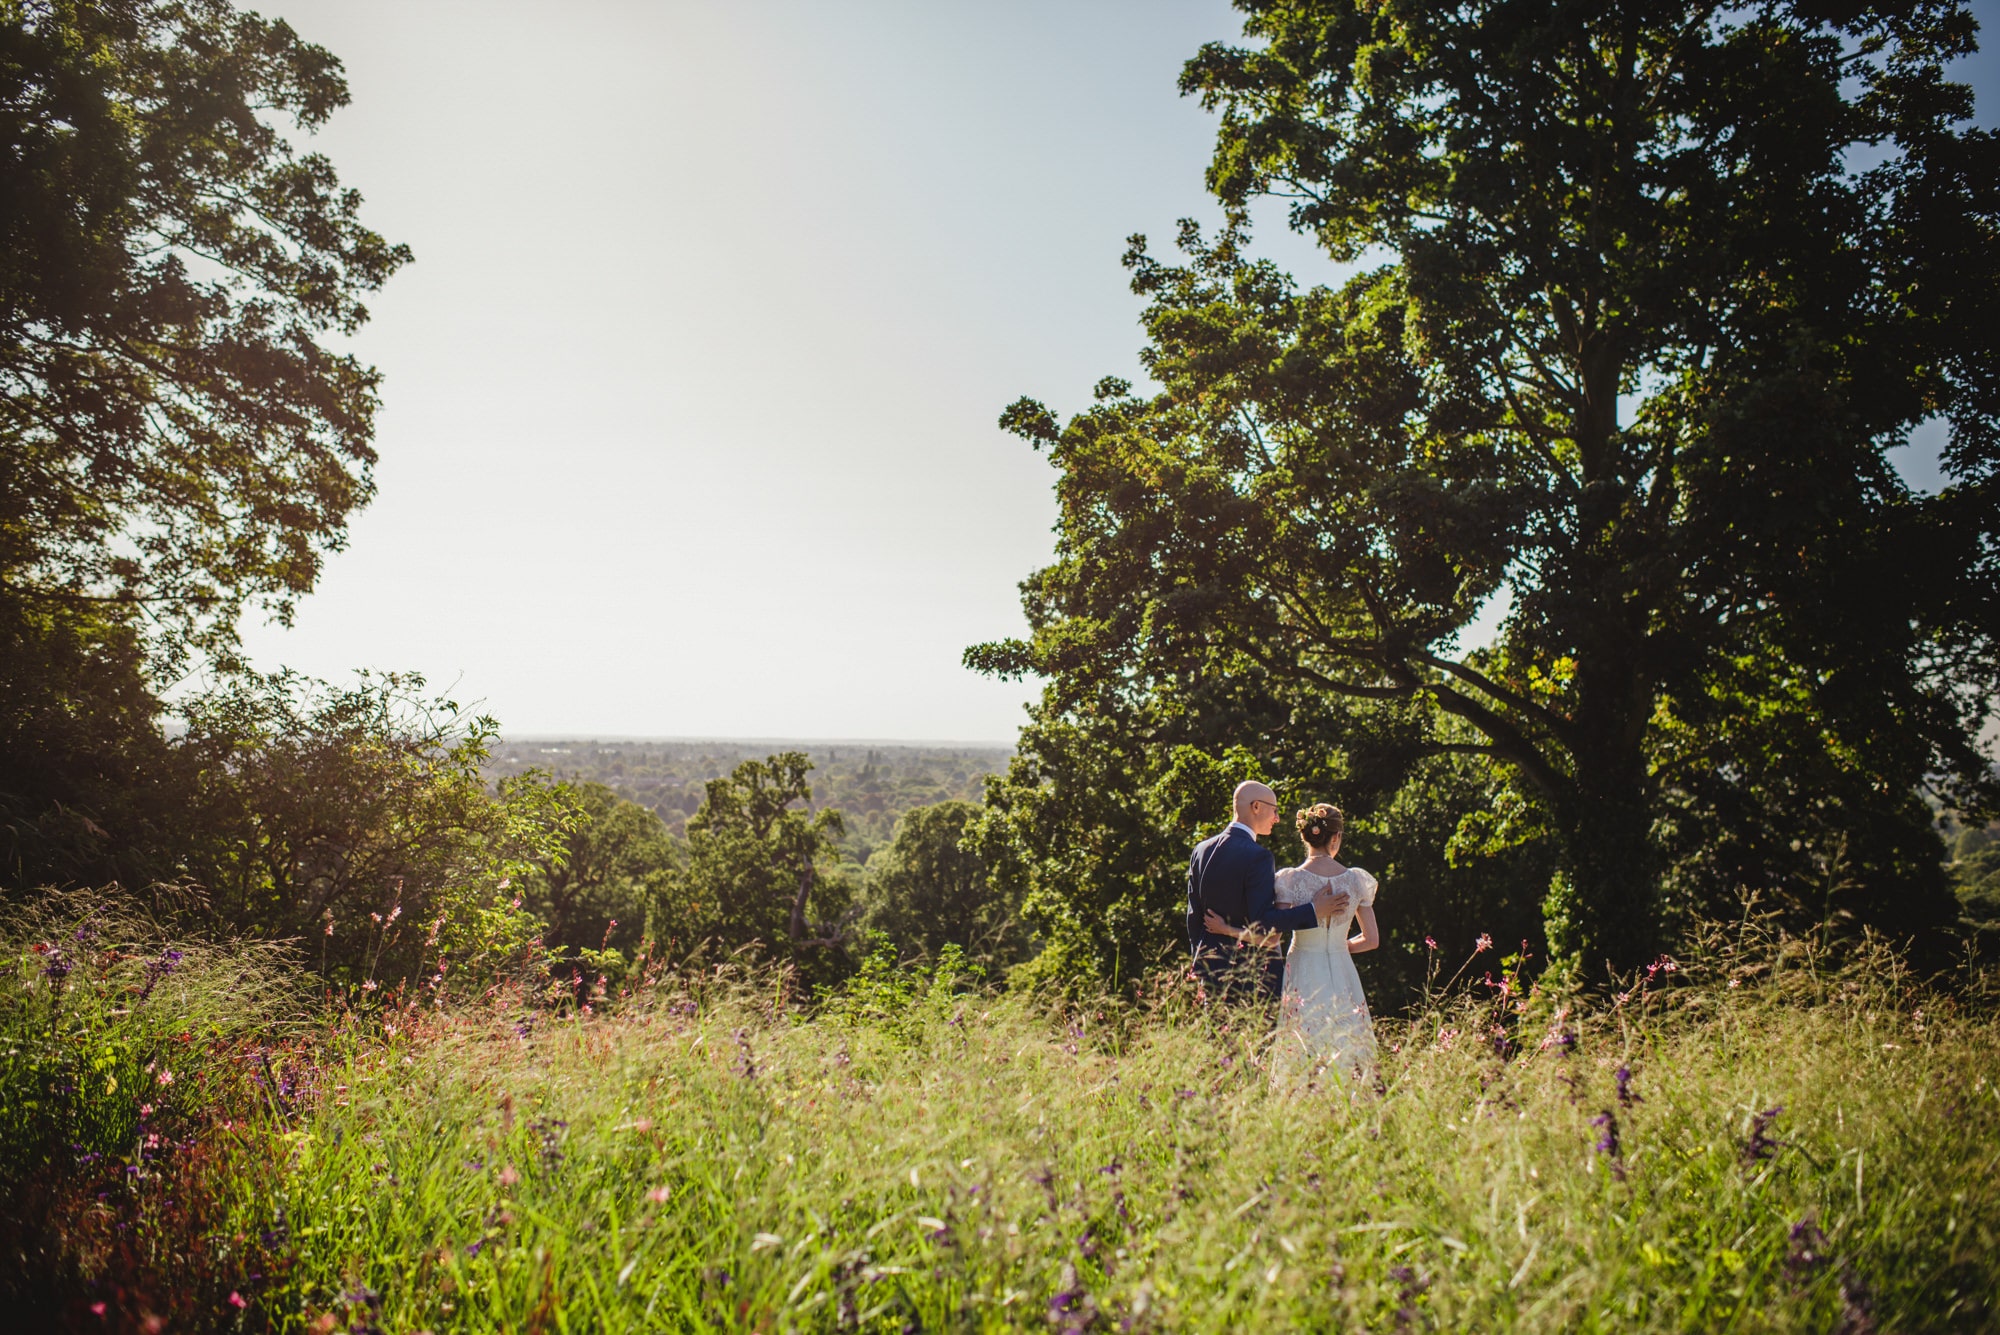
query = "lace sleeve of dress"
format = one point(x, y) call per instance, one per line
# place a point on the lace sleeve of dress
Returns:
point(1365, 883)
point(1294, 889)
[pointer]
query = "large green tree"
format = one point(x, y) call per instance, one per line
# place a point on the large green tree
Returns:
point(176, 436)
point(763, 869)
point(1654, 287)
point(356, 820)
point(928, 889)
point(179, 439)
point(600, 887)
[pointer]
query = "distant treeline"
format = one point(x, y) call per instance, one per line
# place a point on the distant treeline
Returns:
point(871, 783)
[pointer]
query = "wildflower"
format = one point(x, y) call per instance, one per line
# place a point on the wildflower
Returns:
point(97, 1309)
point(1626, 1098)
point(1608, 1142)
point(166, 1077)
point(1807, 1254)
point(1485, 942)
point(1409, 1289)
point(1761, 1146)
point(236, 1299)
point(508, 1177)
point(1066, 1304)
point(550, 1130)
point(660, 1195)
point(368, 986)
point(1430, 943)
point(145, 1110)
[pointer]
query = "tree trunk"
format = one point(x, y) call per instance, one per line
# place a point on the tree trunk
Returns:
point(799, 903)
point(1604, 909)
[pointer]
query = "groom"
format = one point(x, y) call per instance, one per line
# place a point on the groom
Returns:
point(1236, 876)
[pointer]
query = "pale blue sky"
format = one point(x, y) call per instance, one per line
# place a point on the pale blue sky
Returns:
point(689, 401)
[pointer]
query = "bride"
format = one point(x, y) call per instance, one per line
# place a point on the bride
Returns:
point(1323, 1019)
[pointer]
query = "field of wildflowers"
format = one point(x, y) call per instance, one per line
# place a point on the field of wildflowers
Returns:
point(1762, 1135)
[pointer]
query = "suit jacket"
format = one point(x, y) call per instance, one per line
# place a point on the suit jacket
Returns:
point(1238, 878)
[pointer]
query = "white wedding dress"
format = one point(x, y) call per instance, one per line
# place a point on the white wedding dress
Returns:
point(1323, 1021)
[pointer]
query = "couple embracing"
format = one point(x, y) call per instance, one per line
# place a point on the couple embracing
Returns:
point(1239, 908)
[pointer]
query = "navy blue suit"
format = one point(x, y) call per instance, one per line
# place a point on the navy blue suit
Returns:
point(1237, 877)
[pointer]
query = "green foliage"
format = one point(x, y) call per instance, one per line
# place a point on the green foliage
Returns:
point(91, 791)
point(356, 819)
point(1975, 875)
point(597, 888)
point(905, 1002)
point(1711, 626)
point(176, 437)
point(761, 868)
point(1767, 1137)
point(1091, 828)
point(871, 785)
point(121, 1045)
point(98, 1006)
point(928, 891)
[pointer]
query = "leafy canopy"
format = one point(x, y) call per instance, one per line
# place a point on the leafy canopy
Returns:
point(175, 434)
point(1654, 289)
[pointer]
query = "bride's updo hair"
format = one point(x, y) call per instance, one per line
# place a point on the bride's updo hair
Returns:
point(1321, 824)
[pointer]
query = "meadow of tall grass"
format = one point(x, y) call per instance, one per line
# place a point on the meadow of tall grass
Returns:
point(1763, 1134)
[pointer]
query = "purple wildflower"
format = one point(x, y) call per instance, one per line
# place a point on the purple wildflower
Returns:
point(1608, 1144)
point(1762, 1145)
point(1069, 1305)
point(1409, 1288)
point(1806, 1256)
point(1626, 1098)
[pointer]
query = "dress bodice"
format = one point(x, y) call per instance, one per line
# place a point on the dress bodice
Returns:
point(1296, 886)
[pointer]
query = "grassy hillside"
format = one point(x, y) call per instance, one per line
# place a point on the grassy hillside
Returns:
point(1760, 1137)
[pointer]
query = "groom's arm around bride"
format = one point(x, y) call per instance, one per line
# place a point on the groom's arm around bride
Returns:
point(1236, 877)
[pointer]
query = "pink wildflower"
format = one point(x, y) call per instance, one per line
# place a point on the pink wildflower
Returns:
point(1485, 942)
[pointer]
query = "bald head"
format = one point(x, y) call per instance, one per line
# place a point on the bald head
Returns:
point(1251, 791)
point(1256, 806)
